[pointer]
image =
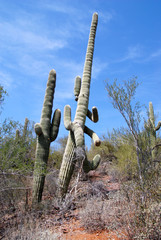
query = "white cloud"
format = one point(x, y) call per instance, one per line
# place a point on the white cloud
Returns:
point(64, 95)
point(156, 53)
point(32, 66)
point(106, 16)
point(17, 36)
point(60, 7)
point(5, 79)
point(151, 56)
point(133, 52)
point(98, 67)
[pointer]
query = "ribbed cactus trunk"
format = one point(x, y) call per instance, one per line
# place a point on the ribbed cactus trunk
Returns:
point(25, 127)
point(82, 106)
point(75, 144)
point(46, 133)
point(153, 130)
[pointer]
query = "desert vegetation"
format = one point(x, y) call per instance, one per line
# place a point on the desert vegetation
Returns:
point(130, 208)
point(45, 192)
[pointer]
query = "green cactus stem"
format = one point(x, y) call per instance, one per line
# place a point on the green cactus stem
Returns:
point(25, 127)
point(17, 134)
point(153, 130)
point(77, 87)
point(75, 148)
point(47, 132)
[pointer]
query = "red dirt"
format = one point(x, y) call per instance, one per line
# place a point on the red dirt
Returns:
point(72, 229)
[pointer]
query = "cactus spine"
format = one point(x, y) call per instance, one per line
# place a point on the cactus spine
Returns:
point(75, 144)
point(153, 130)
point(46, 132)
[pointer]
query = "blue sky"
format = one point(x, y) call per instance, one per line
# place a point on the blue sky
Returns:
point(37, 36)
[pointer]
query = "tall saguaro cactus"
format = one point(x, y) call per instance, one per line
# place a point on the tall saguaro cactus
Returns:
point(75, 147)
point(46, 131)
point(153, 129)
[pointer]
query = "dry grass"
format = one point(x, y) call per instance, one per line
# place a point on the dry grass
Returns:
point(29, 227)
point(123, 212)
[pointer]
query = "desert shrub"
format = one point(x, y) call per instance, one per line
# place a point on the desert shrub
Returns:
point(16, 152)
point(144, 209)
point(110, 215)
point(56, 153)
point(16, 164)
point(55, 159)
point(127, 211)
point(28, 227)
point(89, 190)
point(51, 183)
point(14, 192)
point(91, 215)
point(106, 150)
point(126, 161)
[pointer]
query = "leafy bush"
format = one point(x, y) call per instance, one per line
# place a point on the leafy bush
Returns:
point(16, 164)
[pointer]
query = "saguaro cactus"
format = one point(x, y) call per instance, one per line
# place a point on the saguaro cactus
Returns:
point(46, 133)
point(24, 130)
point(25, 127)
point(75, 147)
point(153, 130)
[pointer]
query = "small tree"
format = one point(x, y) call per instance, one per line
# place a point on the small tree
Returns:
point(122, 99)
point(2, 95)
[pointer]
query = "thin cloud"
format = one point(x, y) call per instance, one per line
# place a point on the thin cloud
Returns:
point(106, 16)
point(63, 95)
point(98, 67)
point(151, 56)
point(59, 7)
point(32, 66)
point(6, 80)
point(133, 52)
point(156, 53)
point(17, 36)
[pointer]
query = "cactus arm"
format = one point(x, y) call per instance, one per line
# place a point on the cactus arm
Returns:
point(67, 117)
point(151, 115)
point(55, 125)
point(93, 135)
point(43, 131)
point(158, 126)
point(25, 127)
point(38, 129)
point(77, 87)
point(75, 127)
point(91, 165)
point(93, 116)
